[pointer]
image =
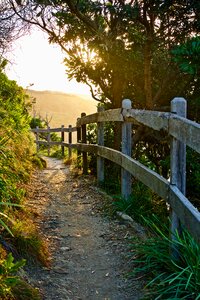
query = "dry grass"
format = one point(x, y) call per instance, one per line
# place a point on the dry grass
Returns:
point(62, 108)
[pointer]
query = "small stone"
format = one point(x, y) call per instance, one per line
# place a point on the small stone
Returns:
point(65, 249)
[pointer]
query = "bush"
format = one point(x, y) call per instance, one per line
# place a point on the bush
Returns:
point(8, 278)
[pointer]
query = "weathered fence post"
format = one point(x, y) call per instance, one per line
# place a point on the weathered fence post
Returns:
point(37, 139)
point(126, 149)
point(48, 140)
point(62, 140)
point(100, 142)
point(178, 163)
point(70, 141)
point(84, 141)
point(78, 141)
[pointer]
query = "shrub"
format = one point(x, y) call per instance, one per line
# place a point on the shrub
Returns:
point(16, 148)
point(8, 278)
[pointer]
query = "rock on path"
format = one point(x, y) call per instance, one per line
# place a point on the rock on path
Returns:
point(87, 250)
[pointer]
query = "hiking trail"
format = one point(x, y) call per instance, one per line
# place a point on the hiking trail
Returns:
point(88, 250)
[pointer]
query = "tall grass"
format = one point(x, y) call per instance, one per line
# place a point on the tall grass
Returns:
point(15, 169)
point(168, 277)
point(141, 203)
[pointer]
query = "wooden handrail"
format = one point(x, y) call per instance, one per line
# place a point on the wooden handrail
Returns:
point(179, 128)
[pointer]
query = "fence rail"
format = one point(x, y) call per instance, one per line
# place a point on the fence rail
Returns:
point(182, 132)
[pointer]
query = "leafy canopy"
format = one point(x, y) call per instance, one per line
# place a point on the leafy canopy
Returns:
point(121, 49)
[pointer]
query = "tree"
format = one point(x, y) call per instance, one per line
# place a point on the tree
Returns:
point(187, 56)
point(11, 26)
point(120, 47)
point(123, 49)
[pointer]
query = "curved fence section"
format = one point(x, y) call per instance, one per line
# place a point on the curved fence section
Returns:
point(181, 131)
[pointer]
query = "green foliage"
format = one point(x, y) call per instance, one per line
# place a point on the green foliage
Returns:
point(187, 56)
point(15, 168)
point(15, 164)
point(36, 122)
point(8, 278)
point(121, 49)
point(141, 203)
point(168, 277)
point(13, 111)
point(11, 286)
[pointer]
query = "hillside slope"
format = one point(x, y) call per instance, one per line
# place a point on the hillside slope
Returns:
point(61, 108)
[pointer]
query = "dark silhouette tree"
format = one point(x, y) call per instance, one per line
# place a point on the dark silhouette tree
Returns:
point(119, 48)
point(11, 26)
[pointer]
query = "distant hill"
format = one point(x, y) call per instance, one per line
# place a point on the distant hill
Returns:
point(61, 108)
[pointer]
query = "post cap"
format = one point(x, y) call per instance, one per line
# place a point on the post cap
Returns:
point(179, 106)
point(126, 103)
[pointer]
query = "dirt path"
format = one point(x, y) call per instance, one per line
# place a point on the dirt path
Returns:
point(87, 249)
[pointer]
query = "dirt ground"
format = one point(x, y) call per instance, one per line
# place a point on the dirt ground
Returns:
point(89, 258)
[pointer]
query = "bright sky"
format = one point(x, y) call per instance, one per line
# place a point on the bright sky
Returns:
point(35, 61)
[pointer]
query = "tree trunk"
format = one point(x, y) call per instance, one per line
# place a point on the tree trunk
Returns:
point(117, 89)
point(147, 74)
point(118, 83)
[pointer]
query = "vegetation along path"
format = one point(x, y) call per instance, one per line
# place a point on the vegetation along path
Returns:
point(88, 251)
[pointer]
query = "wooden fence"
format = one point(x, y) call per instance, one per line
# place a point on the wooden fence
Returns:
point(182, 132)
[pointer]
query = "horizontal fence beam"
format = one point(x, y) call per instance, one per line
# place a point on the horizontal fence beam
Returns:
point(111, 115)
point(189, 215)
point(180, 128)
point(49, 143)
point(150, 178)
point(185, 131)
point(42, 130)
point(153, 119)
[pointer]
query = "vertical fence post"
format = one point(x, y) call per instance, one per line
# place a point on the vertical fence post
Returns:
point(37, 139)
point(78, 141)
point(84, 141)
point(70, 141)
point(126, 149)
point(178, 164)
point(62, 140)
point(48, 140)
point(100, 142)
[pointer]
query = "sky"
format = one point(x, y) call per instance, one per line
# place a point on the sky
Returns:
point(34, 61)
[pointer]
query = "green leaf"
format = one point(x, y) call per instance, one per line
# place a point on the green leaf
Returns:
point(6, 227)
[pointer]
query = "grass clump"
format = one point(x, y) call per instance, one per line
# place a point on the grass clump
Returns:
point(28, 242)
point(24, 291)
point(168, 276)
point(141, 203)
